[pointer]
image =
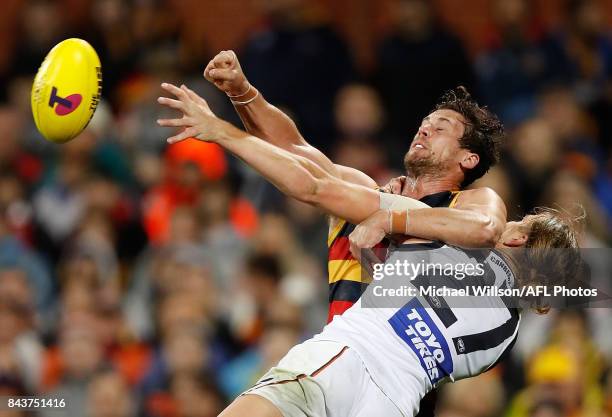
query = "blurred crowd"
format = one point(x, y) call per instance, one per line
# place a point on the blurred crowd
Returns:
point(139, 279)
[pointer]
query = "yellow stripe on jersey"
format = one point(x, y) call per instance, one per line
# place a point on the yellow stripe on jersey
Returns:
point(454, 200)
point(346, 270)
point(334, 232)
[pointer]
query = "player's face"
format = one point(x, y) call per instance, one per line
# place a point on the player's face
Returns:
point(437, 141)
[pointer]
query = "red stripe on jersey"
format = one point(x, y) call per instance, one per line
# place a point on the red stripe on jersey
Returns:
point(340, 249)
point(336, 308)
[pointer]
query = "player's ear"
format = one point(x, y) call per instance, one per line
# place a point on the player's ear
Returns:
point(516, 240)
point(470, 160)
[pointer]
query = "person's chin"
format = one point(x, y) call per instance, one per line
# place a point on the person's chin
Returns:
point(415, 155)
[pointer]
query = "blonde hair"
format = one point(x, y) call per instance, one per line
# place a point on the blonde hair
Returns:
point(551, 228)
point(551, 255)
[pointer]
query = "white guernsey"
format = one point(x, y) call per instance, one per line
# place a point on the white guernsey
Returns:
point(390, 357)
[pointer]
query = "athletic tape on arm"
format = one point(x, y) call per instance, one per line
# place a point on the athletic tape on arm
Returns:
point(399, 202)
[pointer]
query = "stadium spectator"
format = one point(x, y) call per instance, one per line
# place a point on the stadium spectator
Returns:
point(195, 397)
point(109, 396)
point(588, 51)
point(555, 374)
point(20, 344)
point(297, 60)
point(138, 279)
point(533, 156)
point(15, 255)
point(242, 372)
point(359, 119)
point(482, 396)
point(40, 27)
point(521, 58)
point(418, 58)
point(73, 363)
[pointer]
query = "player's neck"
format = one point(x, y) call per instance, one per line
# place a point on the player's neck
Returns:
point(424, 185)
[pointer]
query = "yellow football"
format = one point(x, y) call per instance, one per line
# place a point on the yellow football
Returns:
point(66, 90)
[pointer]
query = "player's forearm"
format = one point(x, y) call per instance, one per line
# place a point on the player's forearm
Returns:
point(300, 178)
point(290, 173)
point(457, 227)
point(267, 122)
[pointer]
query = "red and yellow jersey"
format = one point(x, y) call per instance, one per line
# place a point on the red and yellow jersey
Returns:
point(346, 282)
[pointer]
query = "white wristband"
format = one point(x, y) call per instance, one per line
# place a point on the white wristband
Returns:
point(243, 103)
point(240, 95)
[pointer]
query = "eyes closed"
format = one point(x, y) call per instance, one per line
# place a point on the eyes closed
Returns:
point(436, 128)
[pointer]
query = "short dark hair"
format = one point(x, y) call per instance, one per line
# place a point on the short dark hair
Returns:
point(268, 266)
point(483, 134)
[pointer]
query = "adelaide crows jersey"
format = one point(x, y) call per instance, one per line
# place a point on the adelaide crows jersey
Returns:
point(412, 344)
point(346, 282)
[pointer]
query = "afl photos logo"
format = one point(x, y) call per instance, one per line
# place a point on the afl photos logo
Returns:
point(65, 105)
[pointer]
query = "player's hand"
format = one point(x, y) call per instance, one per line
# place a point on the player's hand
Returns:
point(225, 73)
point(197, 121)
point(395, 185)
point(369, 233)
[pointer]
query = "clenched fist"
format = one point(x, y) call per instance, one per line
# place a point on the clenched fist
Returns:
point(369, 233)
point(394, 186)
point(225, 73)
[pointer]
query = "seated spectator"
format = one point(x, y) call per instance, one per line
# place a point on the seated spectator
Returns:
point(188, 167)
point(72, 364)
point(108, 395)
point(59, 206)
point(534, 153)
point(547, 409)
point(16, 159)
point(258, 290)
point(565, 190)
point(11, 387)
point(183, 352)
point(555, 374)
point(41, 25)
point(359, 117)
point(419, 58)
point(20, 347)
point(196, 396)
point(520, 59)
point(588, 50)
point(170, 270)
point(310, 63)
point(16, 257)
point(482, 396)
point(242, 372)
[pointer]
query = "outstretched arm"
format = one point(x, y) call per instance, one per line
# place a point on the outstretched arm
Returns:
point(263, 120)
point(294, 175)
point(476, 222)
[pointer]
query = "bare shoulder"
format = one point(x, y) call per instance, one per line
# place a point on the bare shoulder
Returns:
point(355, 176)
point(483, 196)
